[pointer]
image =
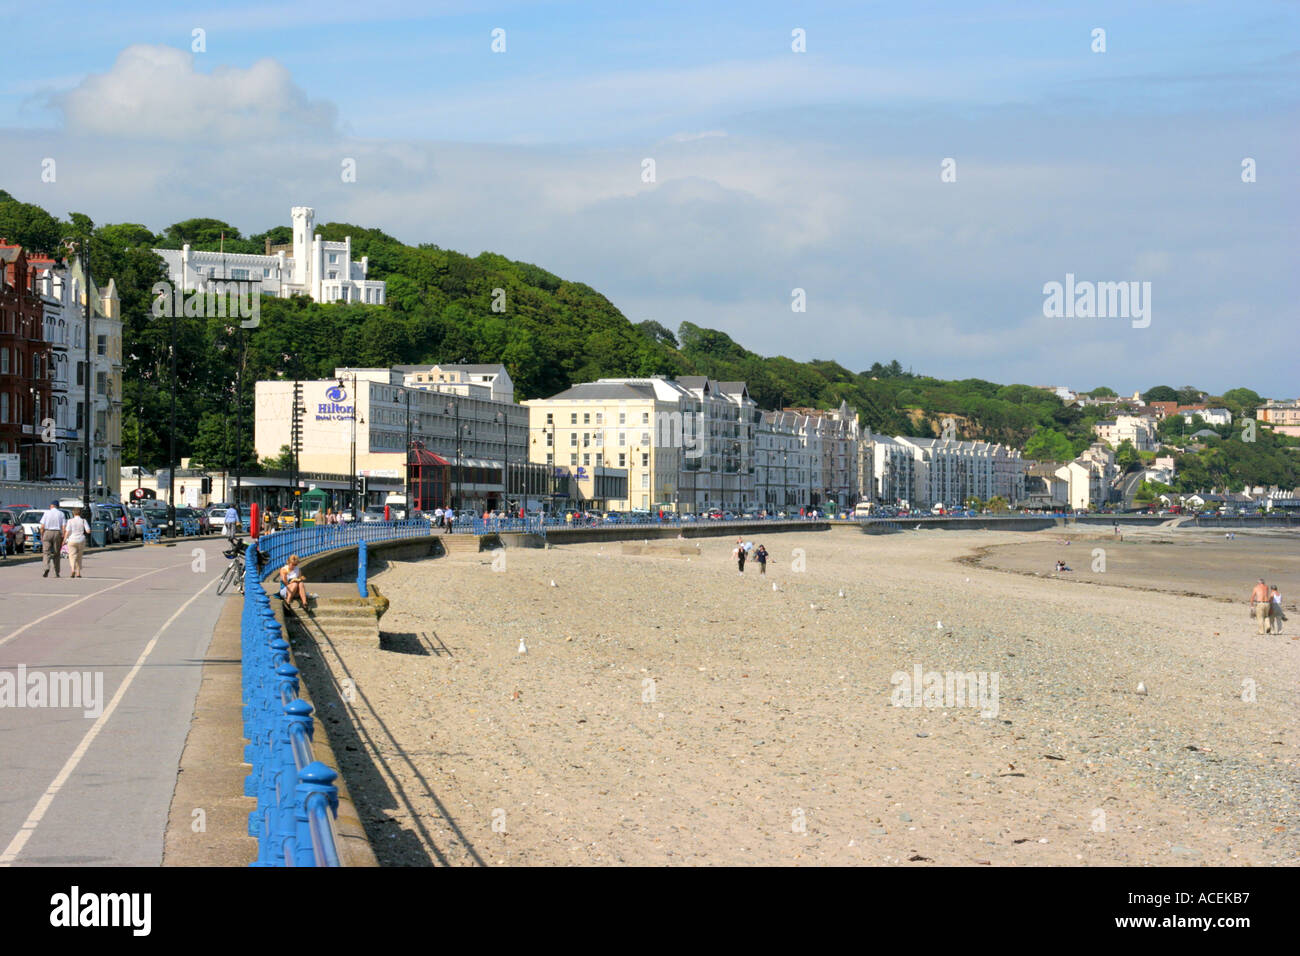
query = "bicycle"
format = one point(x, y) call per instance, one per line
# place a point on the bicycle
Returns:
point(235, 569)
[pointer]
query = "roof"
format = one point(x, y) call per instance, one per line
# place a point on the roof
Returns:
point(604, 392)
point(471, 369)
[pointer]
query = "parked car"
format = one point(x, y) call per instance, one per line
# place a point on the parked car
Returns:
point(123, 526)
point(15, 534)
point(372, 514)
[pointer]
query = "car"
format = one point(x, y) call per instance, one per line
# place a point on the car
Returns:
point(123, 526)
point(31, 522)
point(372, 514)
point(287, 518)
point(15, 535)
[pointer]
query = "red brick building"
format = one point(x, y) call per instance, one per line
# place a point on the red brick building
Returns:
point(25, 380)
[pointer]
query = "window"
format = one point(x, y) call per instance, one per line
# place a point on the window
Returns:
point(586, 459)
point(622, 418)
point(266, 273)
point(81, 415)
point(622, 460)
point(600, 459)
point(586, 418)
point(600, 418)
point(622, 440)
point(600, 439)
point(4, 407)
point(241, 274)
point(586, 439)
point(81, 375)
point(101, 383)
point(645, 479)
point(4, 363)
point(334, 257)
point(573, 439)
point(549, 437)
point(573, 459)
point(550, 459)
point(645, 438)
point(645, 418)
point(645, 459)
point(573, 418)
point(549, 419)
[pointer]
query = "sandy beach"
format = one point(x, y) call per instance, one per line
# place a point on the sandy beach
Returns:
point(670, 711)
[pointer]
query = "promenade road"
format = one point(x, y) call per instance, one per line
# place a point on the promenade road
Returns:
point(78, 788)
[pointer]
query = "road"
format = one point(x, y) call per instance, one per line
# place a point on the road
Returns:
point(93, 784)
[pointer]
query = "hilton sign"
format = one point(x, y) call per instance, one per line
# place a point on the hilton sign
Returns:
point(336, 408)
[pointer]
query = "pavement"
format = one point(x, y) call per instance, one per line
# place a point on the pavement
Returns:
point(98, 682)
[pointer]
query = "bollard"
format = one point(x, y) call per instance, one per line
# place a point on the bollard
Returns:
point(361, 569)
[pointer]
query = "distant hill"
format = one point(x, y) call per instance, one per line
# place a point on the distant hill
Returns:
point(550, 333)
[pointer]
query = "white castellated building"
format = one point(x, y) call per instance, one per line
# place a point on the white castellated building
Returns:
point(323, 270)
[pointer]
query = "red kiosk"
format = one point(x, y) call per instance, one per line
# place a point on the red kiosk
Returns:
point(429, 478)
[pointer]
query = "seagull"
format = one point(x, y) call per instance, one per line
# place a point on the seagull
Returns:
point(1142, 688)
point(553, 584)
point(774, 587)
point(938, 625)
point(523, 648)
point(841, 592)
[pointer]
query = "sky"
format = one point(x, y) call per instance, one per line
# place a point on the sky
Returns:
point(922, 172)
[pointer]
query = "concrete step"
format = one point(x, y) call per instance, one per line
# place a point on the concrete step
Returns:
point(459, 543)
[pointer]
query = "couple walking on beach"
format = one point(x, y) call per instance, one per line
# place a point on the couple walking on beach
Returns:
point(744, 549)
point(1266, 606)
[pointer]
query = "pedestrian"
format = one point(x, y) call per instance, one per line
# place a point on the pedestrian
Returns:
point(76, 531)
point(739, 555)
point(231, 524)
point(448, 518)
point(761, 557)
point(52, 524)
point(437, 516)
point(1275, 614)
point(1259, 606)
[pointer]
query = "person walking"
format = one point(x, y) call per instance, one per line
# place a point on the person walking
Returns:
point(52, 524)
point(739, 555)
point(448, 517)
point(75, 531)
point(231, 523)
point(1275, 615)
point(760, 555)
point(1259, 606)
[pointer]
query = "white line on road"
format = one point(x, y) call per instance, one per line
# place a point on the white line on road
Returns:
point(9, 637)
point(38, 812)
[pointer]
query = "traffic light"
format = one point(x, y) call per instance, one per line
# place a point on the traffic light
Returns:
point(205, 485)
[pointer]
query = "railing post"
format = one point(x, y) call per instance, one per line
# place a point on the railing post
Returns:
point(361, 569)
point(315, 778)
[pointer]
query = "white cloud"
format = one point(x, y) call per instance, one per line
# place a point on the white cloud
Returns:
point(155, 92)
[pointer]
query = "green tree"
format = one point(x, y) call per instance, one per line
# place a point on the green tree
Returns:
point(1102, 391)
point(1047, 444)
point(1126, 456)
point(31, 227)
point(1161, 393)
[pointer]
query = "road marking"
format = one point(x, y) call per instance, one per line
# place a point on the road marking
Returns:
point(38, 812)
point(45, 617)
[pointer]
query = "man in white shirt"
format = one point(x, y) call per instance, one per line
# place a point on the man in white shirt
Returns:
point(437, 515)
point(52, 523)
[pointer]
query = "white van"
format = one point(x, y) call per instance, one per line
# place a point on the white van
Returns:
point(396, 504)
point(864, 509)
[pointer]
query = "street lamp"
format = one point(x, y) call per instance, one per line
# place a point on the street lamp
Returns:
point(504, 421)
point(453, 408)
point(352, 472)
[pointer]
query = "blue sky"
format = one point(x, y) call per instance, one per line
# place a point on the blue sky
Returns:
point(775, 170)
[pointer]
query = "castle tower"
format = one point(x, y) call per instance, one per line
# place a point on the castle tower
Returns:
point(304, 224)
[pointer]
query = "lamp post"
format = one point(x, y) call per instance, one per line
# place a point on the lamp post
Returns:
point(352, 472)
point(504, 421)
point(406, 473)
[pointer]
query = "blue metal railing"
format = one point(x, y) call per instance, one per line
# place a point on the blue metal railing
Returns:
point(296, 797)
point(306, 541)
point(297, 800)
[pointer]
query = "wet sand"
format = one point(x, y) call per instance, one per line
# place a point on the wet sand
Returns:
point(670, 711)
